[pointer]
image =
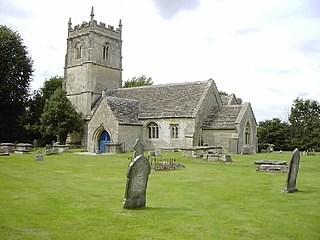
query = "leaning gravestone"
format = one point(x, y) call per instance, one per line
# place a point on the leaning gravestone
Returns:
point(136, 186)
point(293, 172)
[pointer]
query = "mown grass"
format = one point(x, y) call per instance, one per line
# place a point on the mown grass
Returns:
point(71, 196)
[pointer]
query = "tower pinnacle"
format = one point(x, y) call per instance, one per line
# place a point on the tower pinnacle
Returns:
point(92, 14)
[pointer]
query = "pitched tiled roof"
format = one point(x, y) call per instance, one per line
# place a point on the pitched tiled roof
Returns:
point(223, 117)
point(125, 110)
point(164, 101)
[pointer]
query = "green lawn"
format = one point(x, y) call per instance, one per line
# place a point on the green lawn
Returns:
point(71, 196)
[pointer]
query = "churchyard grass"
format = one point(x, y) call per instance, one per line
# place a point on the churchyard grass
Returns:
point(71, 196)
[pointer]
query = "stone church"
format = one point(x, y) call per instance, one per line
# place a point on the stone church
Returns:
point(162, 116)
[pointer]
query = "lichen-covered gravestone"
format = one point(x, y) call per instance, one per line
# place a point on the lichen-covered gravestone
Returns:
point(137, 180)
point(293, 172)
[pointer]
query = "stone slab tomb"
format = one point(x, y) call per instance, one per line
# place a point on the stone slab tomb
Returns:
point(10, 146)
point(293, 172)
point(23, 148)
point(272, 166)
point(4, 151)
point(136, 186)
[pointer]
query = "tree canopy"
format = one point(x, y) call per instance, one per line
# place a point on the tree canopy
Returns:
point(59, 117)
point(302, 131)
point(35, 105)
point(138, 81)
point(274, 132)
point(305, 124)
point(16, 70)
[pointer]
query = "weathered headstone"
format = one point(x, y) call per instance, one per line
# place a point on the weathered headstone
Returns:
point(136, 186)
point(293, 172)
point(39, 156)
point(138, 148)
point(35, 143)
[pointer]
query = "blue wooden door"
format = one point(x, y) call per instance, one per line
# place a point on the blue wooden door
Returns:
point(104, 138)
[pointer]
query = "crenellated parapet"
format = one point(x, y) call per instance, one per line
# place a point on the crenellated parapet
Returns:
point(92, 25)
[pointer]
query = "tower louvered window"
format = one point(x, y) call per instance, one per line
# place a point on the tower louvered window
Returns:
point(105, 52)
point(78, 50)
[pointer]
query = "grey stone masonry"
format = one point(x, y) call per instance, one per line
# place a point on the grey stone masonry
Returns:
point(293, 172)
point(137, 180)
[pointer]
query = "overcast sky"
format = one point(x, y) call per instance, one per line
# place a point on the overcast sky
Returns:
point(267, 52)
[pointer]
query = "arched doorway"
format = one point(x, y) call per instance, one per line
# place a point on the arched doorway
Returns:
point(103, 139)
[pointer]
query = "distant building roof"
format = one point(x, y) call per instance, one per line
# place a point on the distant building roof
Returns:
point(163, 101)
point(229, 99)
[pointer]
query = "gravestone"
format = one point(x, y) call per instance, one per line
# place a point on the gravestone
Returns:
point(39, 156)
point(138, 149)
point(136, 186)
point(293, 172)
point(35, 143)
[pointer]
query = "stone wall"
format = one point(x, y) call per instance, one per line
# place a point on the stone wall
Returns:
point(185, 131)
point(128, 135)
point(218, 138)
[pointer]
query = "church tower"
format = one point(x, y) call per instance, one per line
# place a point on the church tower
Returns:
point(93, 62)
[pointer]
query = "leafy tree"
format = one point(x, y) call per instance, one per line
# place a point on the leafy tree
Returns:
point(50, 86)
point(138, 81)
point(35, 105)
point(274, 132)
point(15, 76)
point(305, 124)
point(59, 117)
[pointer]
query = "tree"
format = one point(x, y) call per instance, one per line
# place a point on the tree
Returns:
point(59, 117)
point(15, 76)
point(140, 81)
point(305, 124)
point(50, 86)
point(274, 132)
point(35, 105)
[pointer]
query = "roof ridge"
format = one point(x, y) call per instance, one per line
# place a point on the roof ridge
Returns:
point(162, 85)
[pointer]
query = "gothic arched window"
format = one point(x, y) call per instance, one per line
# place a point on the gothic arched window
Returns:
point(78, 50)
point(174, 130)
point(153, 130)
point(247, 134)
point(105, 51)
